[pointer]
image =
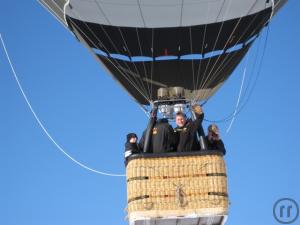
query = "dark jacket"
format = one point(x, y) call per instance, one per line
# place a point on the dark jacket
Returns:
point(187, 135)
point(215, 145)
point(163, 138)
point(130, 149)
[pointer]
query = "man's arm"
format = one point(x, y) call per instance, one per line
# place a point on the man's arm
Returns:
point(130, 149)
point(196, 125)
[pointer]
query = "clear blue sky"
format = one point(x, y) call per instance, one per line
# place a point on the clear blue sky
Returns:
point(88, 114)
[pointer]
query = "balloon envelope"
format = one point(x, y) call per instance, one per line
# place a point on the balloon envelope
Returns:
point(149, 44)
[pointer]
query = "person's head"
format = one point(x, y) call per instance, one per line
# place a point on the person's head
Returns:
point(131, 138)
point(180, 119)
point(213, 131)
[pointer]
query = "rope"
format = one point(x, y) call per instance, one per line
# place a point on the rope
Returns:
point(118, 66)
point(244, 103)
point(202, 46)
point(258, 72)
point(218, 69)
point(239, 97)
point(211, 76)
point(191, 45)
point(43, 127)
point(145, 71)
point(202, 85)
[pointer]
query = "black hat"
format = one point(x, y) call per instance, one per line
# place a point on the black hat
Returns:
point(131, 135)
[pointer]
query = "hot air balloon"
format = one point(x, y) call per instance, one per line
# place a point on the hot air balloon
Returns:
point(169, 54)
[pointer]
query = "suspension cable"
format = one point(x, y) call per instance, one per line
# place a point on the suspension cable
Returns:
point(239, 96)
point(227, 42)
point(244, 103)
point(43, 127)
point(218, 69)
point(223, 65)
point(142, 92)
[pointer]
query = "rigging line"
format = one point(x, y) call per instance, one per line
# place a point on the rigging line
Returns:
point(260, 24)
point(228, 40)
point(191, 45)
point(221, 11)
point(181, 13)
point(229, 117)
point(253, 68)
point(142, 16)
point(43, 127)
point(222, 65)
point(142, 86)
point(144, 22)
point(259, 70)
point(118, 65)
point(55, 3)
point(273, 8)
point(239, 96)
point(52, 12)
point(202, 47)
point(122, 73)
point(152, 62)
point(225, 58)
point(116, 49)
point(140, 46)
point(179, 75)
point(125, 75)
point(102, 11)
point(250, 92)
point(216, 41)
point(250, 35)
point(141, 12)
point(225, 62)
point(114, 46)
point(137, 71)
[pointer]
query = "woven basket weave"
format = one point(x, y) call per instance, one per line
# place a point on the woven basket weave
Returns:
point(177, 186)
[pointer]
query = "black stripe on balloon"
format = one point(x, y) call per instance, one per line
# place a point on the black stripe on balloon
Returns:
point(109, 39)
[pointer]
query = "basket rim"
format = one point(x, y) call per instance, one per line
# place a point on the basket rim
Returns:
point(173, 154)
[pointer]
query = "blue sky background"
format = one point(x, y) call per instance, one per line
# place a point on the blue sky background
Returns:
point(89, 114)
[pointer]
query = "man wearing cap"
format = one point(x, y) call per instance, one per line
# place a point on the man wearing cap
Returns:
point(213, 139)
point(131, 146)
point(186, 130)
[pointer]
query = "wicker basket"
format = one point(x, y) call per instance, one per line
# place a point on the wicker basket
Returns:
point(176, 186)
